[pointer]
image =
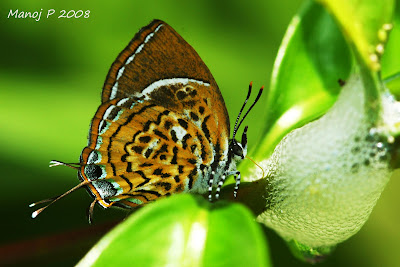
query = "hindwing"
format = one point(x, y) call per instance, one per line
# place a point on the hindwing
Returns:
point(156, 144)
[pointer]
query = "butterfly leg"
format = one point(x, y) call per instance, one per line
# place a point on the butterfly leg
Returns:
point(220, 183)
point(237, 179)
point(210, 185)
point(90, 211)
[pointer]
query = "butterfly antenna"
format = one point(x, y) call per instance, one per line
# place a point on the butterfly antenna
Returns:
point(255, 101)
point(54, 199)
point(241, 110)
point(55, 163)
point(263, 174)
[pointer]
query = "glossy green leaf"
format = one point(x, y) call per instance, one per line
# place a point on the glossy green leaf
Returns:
point(183, 230)
point(365, 24)
point(312, 58)
point(309, 254)
point(390, 59)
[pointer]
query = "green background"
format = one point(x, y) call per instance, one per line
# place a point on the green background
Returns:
point(51, 75)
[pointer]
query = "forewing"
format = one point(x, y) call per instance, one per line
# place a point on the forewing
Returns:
point(156, 52)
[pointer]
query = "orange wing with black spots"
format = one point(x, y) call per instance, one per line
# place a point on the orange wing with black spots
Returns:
point(161, 125)
point(140, 150)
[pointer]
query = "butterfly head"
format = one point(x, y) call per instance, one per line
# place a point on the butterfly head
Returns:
point(238, 150)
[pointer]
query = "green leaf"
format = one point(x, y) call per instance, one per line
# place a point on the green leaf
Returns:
point(390, 59)
point(183, 230)
point(365, 24)
point(312, 58)
point(314, 55)
point(309, 254)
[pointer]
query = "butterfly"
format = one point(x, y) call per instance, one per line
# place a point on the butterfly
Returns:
point(162, 127)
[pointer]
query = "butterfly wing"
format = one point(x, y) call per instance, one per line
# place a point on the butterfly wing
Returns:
point(162, 125)
point(157, 52)
point(141, 150)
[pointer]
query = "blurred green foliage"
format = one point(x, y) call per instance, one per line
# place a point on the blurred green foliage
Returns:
point(51, 75)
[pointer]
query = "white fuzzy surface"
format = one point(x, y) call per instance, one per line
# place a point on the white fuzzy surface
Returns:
point(327, 176)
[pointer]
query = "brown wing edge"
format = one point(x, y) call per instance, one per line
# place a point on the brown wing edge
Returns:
point(124, 54)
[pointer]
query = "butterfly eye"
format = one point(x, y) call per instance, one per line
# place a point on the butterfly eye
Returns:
point(244, 137)
point(237, 148)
